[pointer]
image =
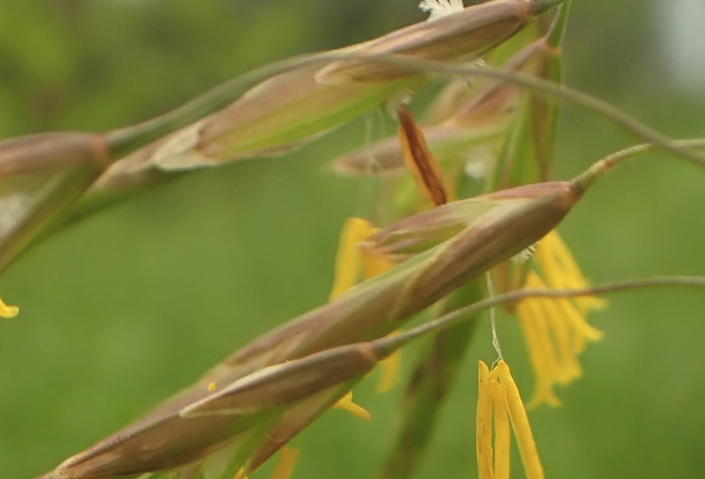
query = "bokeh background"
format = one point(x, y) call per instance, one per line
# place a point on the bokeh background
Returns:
point(123, 309)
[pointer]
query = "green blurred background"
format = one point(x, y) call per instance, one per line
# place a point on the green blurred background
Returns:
point(123, 309)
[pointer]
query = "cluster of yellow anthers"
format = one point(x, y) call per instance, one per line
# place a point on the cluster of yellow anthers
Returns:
point(498, 403)
point(555, 329)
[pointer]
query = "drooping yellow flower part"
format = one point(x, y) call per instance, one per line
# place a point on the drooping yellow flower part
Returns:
point(349, 261)
point(498, 403)
point(556, 330)
point(284, 467)
point(8, 311)
point(561, 271)
point(556, 333)
point(350, 267)
point(347, 404)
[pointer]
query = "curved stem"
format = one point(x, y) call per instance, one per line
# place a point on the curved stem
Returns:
point(602, 166)
point(127, 139)
point(388, 345)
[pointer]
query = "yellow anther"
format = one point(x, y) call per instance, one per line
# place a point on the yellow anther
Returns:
point(561, 271)
point(499, 404)
point(347, 262)
point(502, 435)
point(483, 425)
point(284, 467)
point(555, 333)
point(374, 265)
point(520, 424)
point(8, 311)
point(347, 404)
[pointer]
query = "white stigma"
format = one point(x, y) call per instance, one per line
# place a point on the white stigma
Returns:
point(524, 255)
point(441, 8)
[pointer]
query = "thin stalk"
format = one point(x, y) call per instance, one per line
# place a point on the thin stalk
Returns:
point(386, 346)
point(128, 139)
point(599, 168)
point(627, 153)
